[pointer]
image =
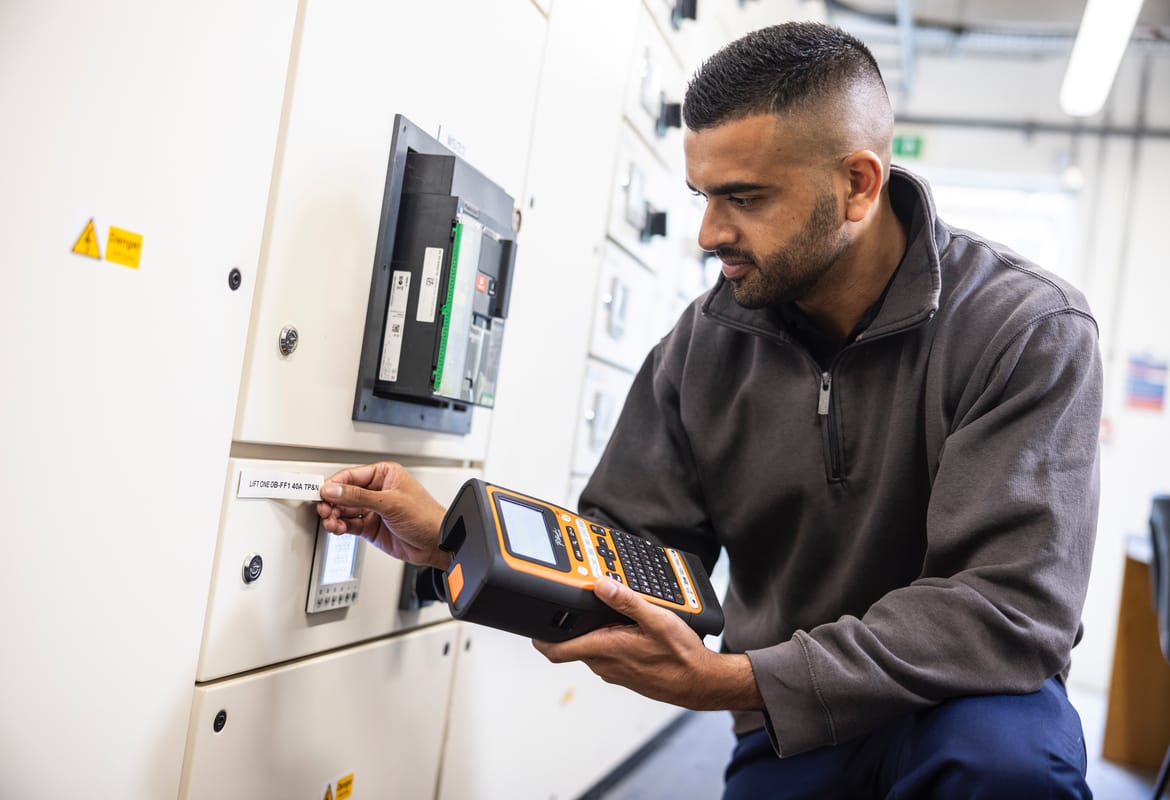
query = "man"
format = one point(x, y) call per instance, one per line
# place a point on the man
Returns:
point(891, 428)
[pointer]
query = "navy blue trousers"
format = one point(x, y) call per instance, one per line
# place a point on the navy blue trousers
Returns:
point(997, 747)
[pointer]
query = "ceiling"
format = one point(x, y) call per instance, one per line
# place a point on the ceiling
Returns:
point(1032, 16)
point(901, 32)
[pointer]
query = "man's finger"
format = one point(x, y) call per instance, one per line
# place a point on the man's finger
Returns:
point(623, 599)
point(355, 497)
point(581, 647)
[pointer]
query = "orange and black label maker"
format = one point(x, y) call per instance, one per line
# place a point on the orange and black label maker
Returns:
point(526, 566)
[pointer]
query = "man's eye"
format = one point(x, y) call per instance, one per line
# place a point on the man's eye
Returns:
point(740, 202)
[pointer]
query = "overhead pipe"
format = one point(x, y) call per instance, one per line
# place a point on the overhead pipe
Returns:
point(935, 37)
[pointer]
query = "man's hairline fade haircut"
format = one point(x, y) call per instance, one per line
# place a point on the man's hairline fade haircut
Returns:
point(790, 69)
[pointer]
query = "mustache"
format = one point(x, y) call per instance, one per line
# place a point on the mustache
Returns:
point(732, 254)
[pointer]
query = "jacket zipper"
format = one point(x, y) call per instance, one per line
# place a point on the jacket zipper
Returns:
point(825, 409)
point(832, 443)
point(824, 398)
point(825, 405)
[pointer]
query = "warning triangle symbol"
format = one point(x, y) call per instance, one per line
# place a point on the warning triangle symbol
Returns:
point(87, 243)
point(328, 793)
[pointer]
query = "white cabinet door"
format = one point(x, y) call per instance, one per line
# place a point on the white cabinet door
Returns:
point(625, 311)
point(522, 727)
point(654, 93)
point(253, 624)
point(642, 194)
point(121, 364)
point(371, 715)
point(359, 64)
point(602, 396)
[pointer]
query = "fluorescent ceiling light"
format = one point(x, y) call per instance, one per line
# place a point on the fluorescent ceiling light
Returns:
point(1104, 33)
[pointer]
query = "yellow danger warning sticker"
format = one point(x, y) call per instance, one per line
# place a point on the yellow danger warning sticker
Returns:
point(328, 792)
point(345, 787)
point(124, 247)
point(87, 243)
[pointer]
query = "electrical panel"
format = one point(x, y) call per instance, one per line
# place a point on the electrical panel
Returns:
point(439, 294)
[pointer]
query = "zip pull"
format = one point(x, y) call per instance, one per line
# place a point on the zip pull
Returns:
point(823, 402)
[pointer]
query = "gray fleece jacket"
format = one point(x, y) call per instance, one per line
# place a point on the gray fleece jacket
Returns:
point(914, 523)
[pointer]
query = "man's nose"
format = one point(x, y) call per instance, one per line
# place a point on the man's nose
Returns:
point(714, 231)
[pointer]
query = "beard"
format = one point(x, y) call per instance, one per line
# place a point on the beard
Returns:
point(791, 272)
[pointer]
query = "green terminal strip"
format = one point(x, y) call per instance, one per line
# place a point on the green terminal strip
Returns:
point(446, 309)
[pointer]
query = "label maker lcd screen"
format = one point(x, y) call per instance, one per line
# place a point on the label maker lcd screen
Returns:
point(526, 532)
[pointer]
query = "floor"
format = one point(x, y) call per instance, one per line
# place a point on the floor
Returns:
point(686, 763)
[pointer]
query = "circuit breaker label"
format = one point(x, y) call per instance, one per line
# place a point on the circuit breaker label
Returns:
point(279, 485)
point(399, 290)
point(428, 292)
point(395, 322)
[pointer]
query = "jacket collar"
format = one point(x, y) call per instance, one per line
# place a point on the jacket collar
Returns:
point(913, 296)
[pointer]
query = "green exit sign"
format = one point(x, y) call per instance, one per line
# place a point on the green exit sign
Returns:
point(908, 146)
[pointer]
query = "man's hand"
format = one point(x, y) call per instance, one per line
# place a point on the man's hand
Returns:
point(659, 657)
point(384, 504)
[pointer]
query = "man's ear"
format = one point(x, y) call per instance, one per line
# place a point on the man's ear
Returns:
point(866, 176)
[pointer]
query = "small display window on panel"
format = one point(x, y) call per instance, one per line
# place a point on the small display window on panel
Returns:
point(336, 573)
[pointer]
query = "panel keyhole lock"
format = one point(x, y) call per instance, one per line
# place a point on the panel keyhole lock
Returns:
point(253, 566)
point(288, 340)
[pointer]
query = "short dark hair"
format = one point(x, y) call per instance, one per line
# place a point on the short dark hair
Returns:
point(776, 69)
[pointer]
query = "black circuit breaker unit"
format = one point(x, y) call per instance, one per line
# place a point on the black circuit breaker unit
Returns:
point(440, 288)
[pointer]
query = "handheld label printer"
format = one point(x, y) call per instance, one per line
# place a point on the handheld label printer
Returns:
point(525, 566)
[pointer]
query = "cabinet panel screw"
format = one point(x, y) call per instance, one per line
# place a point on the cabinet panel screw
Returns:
point(288, 340)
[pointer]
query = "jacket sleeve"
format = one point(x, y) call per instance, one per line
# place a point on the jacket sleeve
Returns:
point(1010, 529)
